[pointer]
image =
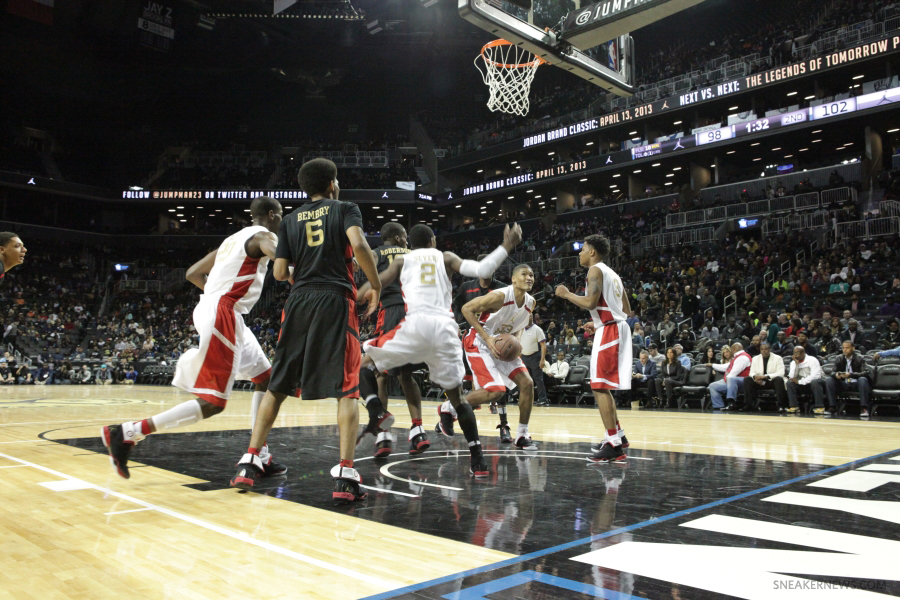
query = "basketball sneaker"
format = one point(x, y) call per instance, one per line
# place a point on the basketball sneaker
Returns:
point(418, 441)
point(493, 408)
point(478, 467)
point(379, 419)
point(523, 442)
point(445, 425)
point(249, 470)
point(118, 448)
point(346, 485)
point(608, 453)
point(384, 443)
point(596, 447)
point(505, 437)
point(270, 467)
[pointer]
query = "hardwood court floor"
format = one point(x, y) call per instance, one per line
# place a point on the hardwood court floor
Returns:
point(71, 528)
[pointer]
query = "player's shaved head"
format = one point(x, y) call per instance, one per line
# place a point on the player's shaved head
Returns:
point(316, 175)
point(599, 243)
point(420, 236)
point(261, 206)
point(392, 230)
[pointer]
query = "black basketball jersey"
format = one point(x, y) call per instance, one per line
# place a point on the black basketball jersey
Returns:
point(390, 295)
point(314, 239)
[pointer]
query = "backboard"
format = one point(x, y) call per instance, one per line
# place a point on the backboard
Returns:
point(592, 41)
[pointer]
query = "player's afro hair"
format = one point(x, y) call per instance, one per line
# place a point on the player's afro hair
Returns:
point(316, 175)
point(420, 236)
point(599, 243)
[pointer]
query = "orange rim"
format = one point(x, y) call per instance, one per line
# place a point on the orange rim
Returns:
point(496, 43)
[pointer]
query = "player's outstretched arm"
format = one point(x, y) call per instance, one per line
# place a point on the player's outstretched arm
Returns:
point(491, 302)
point(387, 277)
point(366, 260)
point(591, 294)
point(198, 271)
point(261, 244)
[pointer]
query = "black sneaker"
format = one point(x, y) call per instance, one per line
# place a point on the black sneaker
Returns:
point(118, 448)
point(479, 468)
point(445, 425)
point(608, 453)
point(379, 420)
point(384, 445)
point(346, 485)
point(505, 437)
point(270, 467)
point(418, 443)
point(597, 447)
point(249, 471)
point(493, 408)
point(523, 442)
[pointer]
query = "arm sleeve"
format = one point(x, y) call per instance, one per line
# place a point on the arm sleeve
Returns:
point(352, 216)
point(484, 268)
point(283, 249)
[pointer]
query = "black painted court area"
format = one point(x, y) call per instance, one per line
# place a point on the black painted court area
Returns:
point(532, 504)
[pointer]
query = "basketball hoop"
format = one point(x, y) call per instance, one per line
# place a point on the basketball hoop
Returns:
point(508, 73)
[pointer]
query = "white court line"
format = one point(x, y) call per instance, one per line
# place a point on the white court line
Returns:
point(238, 535)
point(378, 489)
point(122, 512)
point(13, 467)
point(26, 442)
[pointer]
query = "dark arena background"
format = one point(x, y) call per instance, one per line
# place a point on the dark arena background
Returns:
point(741, 157)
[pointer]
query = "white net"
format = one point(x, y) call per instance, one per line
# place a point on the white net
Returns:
point(508, 72)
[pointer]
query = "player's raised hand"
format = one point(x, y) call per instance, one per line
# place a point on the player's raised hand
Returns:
point(512, 236)
point(562, 291)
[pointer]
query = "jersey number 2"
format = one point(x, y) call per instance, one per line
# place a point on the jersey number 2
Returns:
point(427, 276)
point(314, 234)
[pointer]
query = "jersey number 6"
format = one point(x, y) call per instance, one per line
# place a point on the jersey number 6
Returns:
point(314, 234)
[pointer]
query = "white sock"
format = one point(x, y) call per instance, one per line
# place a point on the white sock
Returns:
point(501, 409)
point(615, 440)
point(254, 407)
point(522, 431)
point(186, 413)
point(448, 408)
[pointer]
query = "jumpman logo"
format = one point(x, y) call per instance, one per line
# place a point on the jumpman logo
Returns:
point(665, 105)
point(608, 159)
point(384, 195)
point(450, 197)
point(678, 144)
point(31, 181)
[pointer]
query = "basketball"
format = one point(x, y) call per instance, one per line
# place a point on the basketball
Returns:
point(508, 347)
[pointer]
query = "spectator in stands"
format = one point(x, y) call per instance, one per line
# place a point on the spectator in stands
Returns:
point(850, 374)
point(655, 356)
point(690, 306)
point(709, 331)
point(735, 372)
point(556, 372)
point(852, 333)
point(803, 342)
point(130, 376)
point(782, 347)
point(637, 335)
point(103, 376)
point(766, 372)
point(686, 337)
point(44, 374)
point(63, 374)
point(683, 358)
point(24, 376)
point(78, 354)
point(856, 304)
point(771, 328)
point(670, 376)
point(7, 377)
point(118, 372)
point(83, 376)
point(754, 349)
point(891, 337)
point(709, 356)
point(667, 327)
point(571, 340)
point(643, 378)
point(889, 308)
point(732, 330)
point(805, 376)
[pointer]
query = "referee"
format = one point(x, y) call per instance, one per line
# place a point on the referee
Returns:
point(534, 353)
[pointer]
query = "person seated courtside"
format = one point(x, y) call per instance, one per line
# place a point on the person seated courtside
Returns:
point(805, 375)
point(643, 378)
point(556, 373)
point(766, 373)
point(849, 376)
point(735, 371)
point(670, 376)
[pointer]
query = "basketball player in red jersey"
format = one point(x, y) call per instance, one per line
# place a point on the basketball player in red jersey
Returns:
point(611, 361)
point(318, 347)
point(12, 252)
point(231, 278)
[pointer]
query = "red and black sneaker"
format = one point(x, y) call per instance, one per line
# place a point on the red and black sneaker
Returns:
point(597, 447)
point(478, 467)
point(118, 448)
point(250, 470)
point(608, 453)
point(384, 444)
point(378, 421)
point(418, 441)
point(346, 485)
point(445, 425)
point(505, 437)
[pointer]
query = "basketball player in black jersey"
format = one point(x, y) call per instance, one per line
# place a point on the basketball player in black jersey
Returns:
point(391, 312)
point(318, 351)
point(12, 252)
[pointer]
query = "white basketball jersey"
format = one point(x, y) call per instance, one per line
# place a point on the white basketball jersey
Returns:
point(424, 282)
point(610, 307)
point(510, 318)
point(234, 274)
